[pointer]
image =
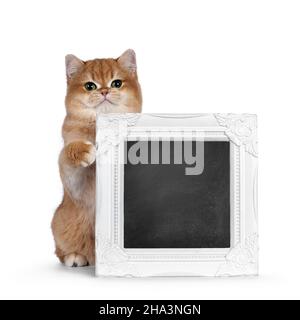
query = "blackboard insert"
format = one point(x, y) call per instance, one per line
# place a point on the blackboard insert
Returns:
point(165, 208)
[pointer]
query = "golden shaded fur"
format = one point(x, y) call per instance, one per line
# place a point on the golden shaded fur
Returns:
point(74, 220)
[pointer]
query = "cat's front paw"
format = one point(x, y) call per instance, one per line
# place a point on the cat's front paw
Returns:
point(75, 260)
point(81, 153)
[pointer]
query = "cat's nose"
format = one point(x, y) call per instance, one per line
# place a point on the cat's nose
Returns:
point(104, 91)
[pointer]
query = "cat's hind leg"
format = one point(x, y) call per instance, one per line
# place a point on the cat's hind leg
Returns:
point(73, 234)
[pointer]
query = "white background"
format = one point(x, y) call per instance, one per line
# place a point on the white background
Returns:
point(193, 56)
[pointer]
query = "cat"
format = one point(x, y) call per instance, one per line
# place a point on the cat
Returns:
point(105, 85)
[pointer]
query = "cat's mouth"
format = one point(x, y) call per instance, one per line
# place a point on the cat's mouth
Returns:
point(105, 100)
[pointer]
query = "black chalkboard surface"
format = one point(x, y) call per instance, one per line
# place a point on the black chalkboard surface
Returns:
point(165, 208)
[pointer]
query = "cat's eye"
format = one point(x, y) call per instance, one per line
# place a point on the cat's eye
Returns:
point(90, 86)
point(116, 83)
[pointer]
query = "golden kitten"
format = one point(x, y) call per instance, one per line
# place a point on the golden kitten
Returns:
point(105, 85)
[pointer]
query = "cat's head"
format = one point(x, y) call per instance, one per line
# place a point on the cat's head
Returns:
point(105, 85)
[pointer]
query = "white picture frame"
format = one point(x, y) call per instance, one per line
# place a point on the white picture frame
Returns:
point(242, 256)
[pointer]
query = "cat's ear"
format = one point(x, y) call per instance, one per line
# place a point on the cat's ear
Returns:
point(128, 61)
point(73, 64)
